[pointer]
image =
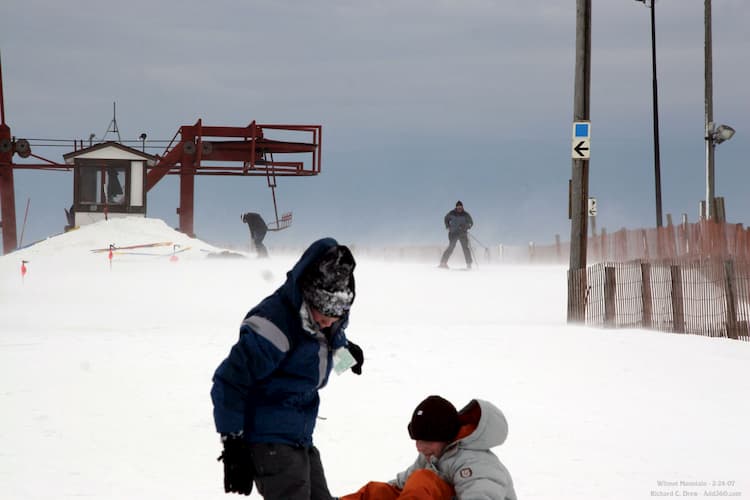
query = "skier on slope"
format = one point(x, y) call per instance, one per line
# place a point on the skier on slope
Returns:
point(455, 461)
point(457, 222)
point(265, 393)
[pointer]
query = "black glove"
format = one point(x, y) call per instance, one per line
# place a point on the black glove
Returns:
point(238, 466)
point(356, 353)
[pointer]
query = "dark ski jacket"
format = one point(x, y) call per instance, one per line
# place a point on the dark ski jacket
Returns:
point(256, 224)
point(268, 385)
point(458, 222)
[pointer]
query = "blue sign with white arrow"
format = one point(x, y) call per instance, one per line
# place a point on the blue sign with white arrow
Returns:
point(581, 140)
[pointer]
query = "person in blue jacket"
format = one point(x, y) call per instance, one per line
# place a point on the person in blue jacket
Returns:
point(265, 393)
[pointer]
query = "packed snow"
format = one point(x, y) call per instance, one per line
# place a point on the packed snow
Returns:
point(106, 365)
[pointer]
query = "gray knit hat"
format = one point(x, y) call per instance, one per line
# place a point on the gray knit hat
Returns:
point(328, 284)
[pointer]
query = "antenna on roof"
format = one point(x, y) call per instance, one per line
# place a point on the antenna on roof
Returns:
point(113, 124)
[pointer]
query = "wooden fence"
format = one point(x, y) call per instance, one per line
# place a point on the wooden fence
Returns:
point(697, 240)
point(708, 297)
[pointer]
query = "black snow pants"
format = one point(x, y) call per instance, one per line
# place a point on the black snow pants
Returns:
point(452, 239)
point(284, 472)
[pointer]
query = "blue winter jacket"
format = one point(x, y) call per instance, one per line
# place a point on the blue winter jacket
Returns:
point(268, 385)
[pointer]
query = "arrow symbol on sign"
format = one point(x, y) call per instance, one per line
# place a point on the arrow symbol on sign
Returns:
point(580, 148)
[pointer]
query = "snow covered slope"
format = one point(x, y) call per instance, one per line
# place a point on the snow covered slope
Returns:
point(105, 372)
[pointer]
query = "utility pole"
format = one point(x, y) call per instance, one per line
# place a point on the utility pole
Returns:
point(580, 167)
point(657, 159)
point(709, 108)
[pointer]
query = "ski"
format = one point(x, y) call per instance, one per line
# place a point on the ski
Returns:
point(118, 252)
point(132, 247)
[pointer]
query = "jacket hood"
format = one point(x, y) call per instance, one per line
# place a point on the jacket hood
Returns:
point(283, 306)
point(291, 288)
point(491, 426)
point(289, 292)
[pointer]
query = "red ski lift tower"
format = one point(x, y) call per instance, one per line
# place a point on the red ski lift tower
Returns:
point(254, 150)
point(237, 151)
point(7, 195)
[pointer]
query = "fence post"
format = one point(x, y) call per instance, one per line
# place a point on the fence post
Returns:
point(610, 284)
point(730, 299)
point(678, 314)
point(558, 252)
point(667, 239)
point(737, 250)
point(671, 238)
point(646, 294)
point(620, 251)
point(683, 232)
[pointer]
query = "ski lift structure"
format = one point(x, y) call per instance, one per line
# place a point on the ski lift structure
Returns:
point(253, 150)
point(236, 151)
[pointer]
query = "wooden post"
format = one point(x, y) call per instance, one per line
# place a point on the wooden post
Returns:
point(644, 239)
point(610, 285)
point(646, 300)
point(624, 255)
point(592, 218)
point(678, 314)
point(684, 248)
point(730, 299)
point(737, 247)
point(580, 167)
point(673, 239)
point(720, 213)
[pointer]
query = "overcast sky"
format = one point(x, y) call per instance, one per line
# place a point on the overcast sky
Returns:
point(422, 103)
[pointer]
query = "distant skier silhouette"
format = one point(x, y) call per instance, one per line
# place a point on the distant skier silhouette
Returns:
point(258, 230)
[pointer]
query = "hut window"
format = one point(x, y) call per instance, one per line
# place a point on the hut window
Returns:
point(99, 185)
point(89, 182)
point(115, 185)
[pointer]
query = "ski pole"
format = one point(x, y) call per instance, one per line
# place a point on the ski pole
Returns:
point(486, 249)
point(480, 243)
point(473, 254)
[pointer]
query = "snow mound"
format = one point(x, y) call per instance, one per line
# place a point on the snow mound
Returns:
point(145, 237)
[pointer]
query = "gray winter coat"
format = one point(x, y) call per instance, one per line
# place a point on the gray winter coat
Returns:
point(467, 463)
point(458, 222)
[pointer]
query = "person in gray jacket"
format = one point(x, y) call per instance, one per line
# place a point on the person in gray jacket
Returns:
point(457, 222)
point(454, 459)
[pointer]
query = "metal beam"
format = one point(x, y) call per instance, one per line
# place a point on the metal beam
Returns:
point(7, 189)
